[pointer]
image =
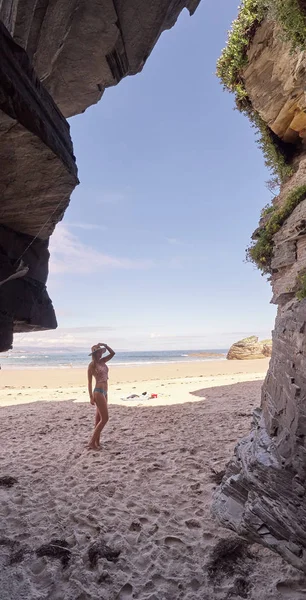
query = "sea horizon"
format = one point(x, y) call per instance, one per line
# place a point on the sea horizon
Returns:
point(65, 358)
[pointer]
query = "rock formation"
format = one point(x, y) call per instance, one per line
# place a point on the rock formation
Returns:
point(79, 48)
point(57, 58)
point(38, 174)
point(250, 348)
point(263, 494)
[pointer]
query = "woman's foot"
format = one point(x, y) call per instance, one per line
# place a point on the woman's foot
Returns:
point(93, 447)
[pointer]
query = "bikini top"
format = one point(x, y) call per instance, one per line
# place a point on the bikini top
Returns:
point(100, 372)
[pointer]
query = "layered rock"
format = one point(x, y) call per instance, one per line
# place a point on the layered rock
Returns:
point(79, 48)
point(250, 348)
point(57, 58)
point(275, 81)
point(24, 301)
point(263, 494)
point(37, 176)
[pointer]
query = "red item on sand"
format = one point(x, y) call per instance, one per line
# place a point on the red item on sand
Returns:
point(153, 395)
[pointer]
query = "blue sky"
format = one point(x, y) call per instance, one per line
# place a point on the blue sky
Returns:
point(151, 250)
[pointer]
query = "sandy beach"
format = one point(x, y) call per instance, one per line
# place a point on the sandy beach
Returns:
point(131, 521)
point(173, 382)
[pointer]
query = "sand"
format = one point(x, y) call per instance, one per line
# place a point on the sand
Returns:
point(131, 521)
point(172, 382)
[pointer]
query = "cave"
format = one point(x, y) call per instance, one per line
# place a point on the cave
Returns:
point(57, 60)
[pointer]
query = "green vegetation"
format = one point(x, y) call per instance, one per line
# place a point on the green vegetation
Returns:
point(234, 55)
point(267, 210)
point(261, 252)
point(275, 158)
point(301, 291)
point(287, 13)
point(291, 18)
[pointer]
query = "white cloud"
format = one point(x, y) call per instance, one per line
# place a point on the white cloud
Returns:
point(111, 198)
point(125, 338)
point(173, 241)
point(70, 255)
point(70, 337)
point(87, 226)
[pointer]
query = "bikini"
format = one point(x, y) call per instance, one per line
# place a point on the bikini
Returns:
point(101, 391)
point(101, 375)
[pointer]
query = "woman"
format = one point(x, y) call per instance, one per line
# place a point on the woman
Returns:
point(99, 370)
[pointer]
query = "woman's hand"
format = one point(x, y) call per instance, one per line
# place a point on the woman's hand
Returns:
point(92, 401)
point(111, 353)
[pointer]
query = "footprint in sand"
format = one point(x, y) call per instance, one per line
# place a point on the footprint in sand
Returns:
point(207, 535)
point(153, 529)
point(172, 540)
point(292, 591)
point(125, 592)
point(149, 586)
point(158, 579)
point(195, 584)
point(38, 566)
point(193, 524)
point(135, 526)
point(195, 486)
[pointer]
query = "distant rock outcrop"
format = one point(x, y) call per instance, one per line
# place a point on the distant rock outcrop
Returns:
point(250, 348)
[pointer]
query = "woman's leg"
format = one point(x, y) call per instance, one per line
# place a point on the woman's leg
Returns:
point(102, 409)
point(98, 417)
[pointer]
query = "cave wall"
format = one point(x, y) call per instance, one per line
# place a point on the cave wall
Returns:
point(37, 175)
point(262, 496)
point(24, 302)
point(79, 48)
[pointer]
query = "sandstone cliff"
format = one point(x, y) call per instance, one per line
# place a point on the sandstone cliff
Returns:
point(263, 494)
point(250, 348)
point(57, 58)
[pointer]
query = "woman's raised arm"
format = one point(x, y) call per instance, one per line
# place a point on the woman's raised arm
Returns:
point(111, 352)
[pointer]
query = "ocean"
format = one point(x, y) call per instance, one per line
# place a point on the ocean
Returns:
point(31, 359)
